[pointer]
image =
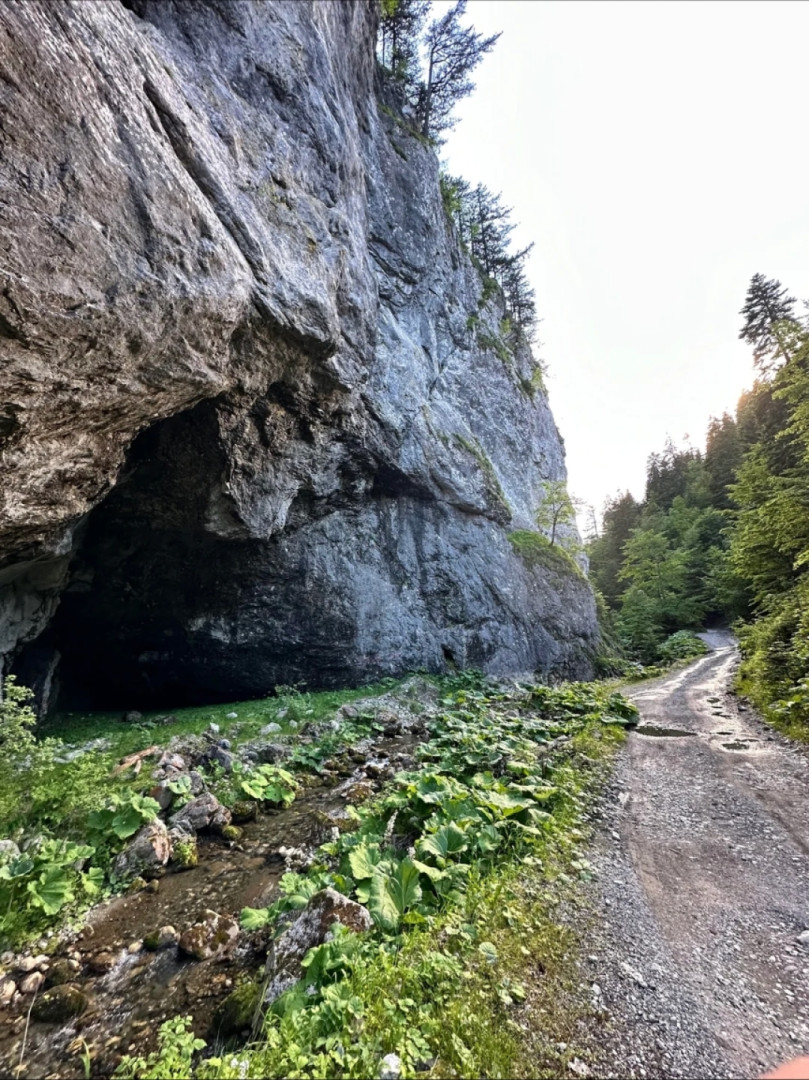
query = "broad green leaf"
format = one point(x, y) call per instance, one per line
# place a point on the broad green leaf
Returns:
point(393, 893)
point(126, 822)
point(93, 880)
point(363, 860)
point(432, 872)
point(253, 918)
point(52, 890)
point(488, 839)
point(446, 841)
point(489, 951)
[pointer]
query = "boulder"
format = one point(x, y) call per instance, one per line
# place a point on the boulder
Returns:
point(310, 927)
point(146, 854)
point(161, 939)
point(32, 983)
point(203, 812)
point(59, 1004)
point(212, 938)
point(8, 988)
point(59, 972)
point(243, 811)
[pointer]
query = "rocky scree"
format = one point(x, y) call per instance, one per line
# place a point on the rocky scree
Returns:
point(250, 432)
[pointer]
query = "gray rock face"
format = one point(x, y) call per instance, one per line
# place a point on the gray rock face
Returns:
point(257, 423)
point(307, 929)
point(147, 852)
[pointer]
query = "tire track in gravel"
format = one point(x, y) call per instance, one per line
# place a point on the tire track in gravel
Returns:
point(703, 862)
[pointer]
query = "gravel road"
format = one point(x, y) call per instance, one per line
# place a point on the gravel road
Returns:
point(703, 866)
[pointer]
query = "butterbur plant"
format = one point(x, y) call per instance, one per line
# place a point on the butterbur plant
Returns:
point(37, 884)
point(123, 815)
point(269, 783)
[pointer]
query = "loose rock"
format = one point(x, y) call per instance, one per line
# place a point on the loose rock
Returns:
point(236, 1012)
point(213, 938)
point(309, 928)
point(59, 1004)
point(205, 811)
point(31, 983)
point(146, 854)
point(8, 988)
point(161, 939)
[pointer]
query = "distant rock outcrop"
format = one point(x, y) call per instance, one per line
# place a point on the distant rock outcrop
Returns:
point(257, 422)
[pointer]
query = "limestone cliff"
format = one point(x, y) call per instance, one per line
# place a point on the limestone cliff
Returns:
point(256, 422)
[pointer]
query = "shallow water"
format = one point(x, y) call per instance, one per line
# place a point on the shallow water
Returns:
point(130, 1001)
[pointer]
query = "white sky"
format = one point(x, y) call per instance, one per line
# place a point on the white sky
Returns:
point(656, 154)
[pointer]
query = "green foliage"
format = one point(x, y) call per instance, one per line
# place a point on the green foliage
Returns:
point(454, 929)
point(269, 783)
point(682, 645)
point(536, 550)
point(726, 535)
point(122, 815)
point(556, 515)
point(42, 880)
point(17, 719)
point(172, 1060)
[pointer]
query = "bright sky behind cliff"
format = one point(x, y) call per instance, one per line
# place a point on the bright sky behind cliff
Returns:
point(655, 153)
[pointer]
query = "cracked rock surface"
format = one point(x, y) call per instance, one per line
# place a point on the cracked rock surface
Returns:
point(255, 423)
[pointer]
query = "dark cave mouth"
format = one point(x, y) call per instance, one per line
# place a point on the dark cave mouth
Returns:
point(160, 613)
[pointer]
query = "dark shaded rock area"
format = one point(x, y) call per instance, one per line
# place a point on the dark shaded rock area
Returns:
point(253, 426)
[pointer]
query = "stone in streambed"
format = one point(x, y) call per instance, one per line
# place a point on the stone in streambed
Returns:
point(32, 983)
point(59, 1004)
point(243, 811)
point(185, 855)
point(161, 939)
point(146, 854)
point(58, 973)
point(203, 812)
point(309, 928)
point(8, 988)
point(213, 938)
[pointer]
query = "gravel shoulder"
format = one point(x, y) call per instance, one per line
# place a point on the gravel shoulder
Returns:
point(703, 867)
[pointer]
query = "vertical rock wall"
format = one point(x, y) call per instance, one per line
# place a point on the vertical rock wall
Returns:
point(257, 422)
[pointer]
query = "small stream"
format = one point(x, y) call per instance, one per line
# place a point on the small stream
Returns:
point(139, 989)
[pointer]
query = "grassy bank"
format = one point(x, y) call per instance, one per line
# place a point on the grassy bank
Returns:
point(462, 864)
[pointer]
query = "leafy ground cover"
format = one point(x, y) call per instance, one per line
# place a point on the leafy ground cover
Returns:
point(460, 863)
point(65, 814)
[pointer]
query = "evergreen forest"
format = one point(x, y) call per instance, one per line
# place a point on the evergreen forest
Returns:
point(721, 537)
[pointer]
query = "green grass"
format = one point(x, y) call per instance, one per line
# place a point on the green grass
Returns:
point(491, 947)
point(494, 489)
point(536, 550)
point(77, 728)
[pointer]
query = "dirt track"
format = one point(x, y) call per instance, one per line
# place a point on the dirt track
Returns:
point(704, 887)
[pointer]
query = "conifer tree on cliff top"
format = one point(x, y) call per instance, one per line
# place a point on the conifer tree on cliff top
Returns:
point(452, 53)
point(766, 309)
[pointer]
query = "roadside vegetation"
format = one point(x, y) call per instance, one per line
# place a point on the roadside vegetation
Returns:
point(66, 809)
point(461, 862)
point(723, 536)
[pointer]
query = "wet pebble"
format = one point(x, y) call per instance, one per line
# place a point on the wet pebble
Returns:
point(31, 983)
point(101, 963)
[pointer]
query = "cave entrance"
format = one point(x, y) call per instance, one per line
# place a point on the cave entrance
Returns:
point(144, 570)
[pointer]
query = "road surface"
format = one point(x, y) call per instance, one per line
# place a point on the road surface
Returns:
point(703, 859)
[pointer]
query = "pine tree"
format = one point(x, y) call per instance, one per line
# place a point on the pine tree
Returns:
point(401, 26)
point(452, 53)
point(768, 319)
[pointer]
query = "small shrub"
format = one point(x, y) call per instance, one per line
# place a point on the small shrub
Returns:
point(536, 550)
point(681, 646)
point(173, 1058)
